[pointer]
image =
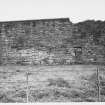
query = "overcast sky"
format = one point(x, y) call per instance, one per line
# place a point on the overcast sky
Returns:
point(76, 10)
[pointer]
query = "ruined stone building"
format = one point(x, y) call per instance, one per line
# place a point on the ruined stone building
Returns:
point(34, 40)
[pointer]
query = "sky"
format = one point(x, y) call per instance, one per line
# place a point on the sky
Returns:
point(75, 10)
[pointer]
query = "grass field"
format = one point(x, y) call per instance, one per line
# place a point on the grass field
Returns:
point(75, 83)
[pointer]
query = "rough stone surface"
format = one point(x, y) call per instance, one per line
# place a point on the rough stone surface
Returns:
point(45, 34)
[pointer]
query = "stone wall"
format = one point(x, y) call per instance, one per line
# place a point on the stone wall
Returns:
point(21, 35)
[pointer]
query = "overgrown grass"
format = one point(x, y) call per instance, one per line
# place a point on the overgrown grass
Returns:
point(12, 97)
point(56, 89)
point(62, 91)
point(59, 82)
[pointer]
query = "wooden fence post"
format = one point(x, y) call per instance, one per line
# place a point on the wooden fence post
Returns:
point(27, 91)
point(98, 85)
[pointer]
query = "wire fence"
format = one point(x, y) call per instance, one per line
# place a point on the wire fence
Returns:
point(28, 73)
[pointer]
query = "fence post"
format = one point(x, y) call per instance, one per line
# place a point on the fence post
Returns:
point(27, 87)
point(98, 85)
